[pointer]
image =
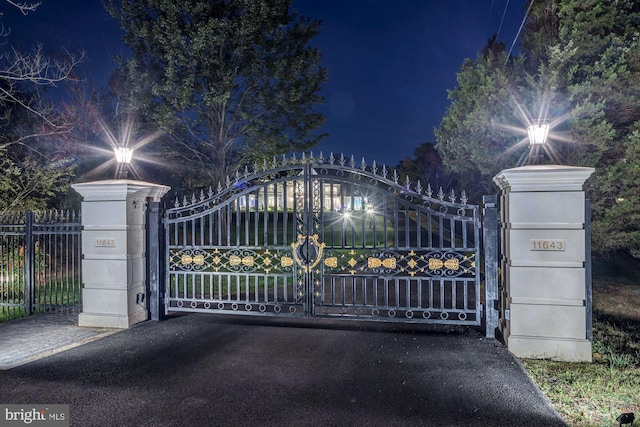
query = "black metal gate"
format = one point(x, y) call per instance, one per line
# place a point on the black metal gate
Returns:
point(325, 238)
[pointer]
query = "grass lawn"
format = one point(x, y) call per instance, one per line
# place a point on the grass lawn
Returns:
point(595, 394)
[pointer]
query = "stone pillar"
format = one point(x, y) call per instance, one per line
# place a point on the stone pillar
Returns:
point(544, 313)
point(113, 251)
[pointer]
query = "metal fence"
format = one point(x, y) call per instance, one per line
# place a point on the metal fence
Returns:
point(40, 262)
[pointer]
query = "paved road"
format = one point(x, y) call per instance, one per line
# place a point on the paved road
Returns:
point(202, 370)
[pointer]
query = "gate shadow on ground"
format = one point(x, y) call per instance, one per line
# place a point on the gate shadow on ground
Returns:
point(344, 324)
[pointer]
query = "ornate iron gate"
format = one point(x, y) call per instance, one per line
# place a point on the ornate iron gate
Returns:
point(325, 238)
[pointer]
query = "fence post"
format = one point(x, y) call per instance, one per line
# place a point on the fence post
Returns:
point(490, 244)
point(155, 286)
point(588, 269)
point(29, 261)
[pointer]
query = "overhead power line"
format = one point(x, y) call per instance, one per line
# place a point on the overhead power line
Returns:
point(519, 31)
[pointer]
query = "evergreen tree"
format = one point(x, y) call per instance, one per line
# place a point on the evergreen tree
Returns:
point(228, 81)
point(579, 67)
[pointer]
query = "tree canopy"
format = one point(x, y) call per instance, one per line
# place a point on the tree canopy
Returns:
point(578, 68)
point(228, 81)
point(36, 154)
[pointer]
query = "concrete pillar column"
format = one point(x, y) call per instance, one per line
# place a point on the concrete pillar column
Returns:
point(544, 313)
point(113, 251)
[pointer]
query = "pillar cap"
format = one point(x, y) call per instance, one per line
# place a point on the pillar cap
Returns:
point(543, 178)
point(119, 189)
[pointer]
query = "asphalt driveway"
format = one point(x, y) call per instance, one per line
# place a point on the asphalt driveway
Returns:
point(203, 370)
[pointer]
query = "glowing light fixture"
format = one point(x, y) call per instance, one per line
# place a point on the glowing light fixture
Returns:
point(123, 154)
point(538, 133)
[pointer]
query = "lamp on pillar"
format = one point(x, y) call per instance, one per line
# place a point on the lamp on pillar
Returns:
point(124, 155)
point(538, 133)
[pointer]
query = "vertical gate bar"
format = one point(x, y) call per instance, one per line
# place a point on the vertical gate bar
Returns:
point(332, 209)
point(247, 219)
point(408, 295)
point(285, 214)
point(454, 294)
point(490, 246)
point(352, 210)
point(321, 209)
point(452, 232)
point(354, 291)
point(395, 224)
point(418, 228)
point(465, 241)
point(430, 230)
point(238, 221)
point(276, 209)
point(265, 217)
point(407, 227)
point(29, 261)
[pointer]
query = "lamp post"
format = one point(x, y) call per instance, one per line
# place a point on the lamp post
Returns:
point(124, 155)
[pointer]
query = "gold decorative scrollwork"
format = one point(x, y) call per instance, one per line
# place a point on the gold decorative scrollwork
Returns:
point(385, 262)
point(307, 251)
point(286, 261)
point(331, 262)
point(435, 264)
point(188, 259)
point(450, 264)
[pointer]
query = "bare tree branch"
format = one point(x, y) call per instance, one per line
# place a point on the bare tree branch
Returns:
point(24, 7)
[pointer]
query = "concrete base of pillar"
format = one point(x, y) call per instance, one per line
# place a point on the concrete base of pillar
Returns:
point(565, 350)
point(97, 320)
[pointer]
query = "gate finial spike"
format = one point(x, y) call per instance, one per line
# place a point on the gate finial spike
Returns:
point(201, 195)
point(452, 196)
point(210, 192)
point(321, 158)
point(352, 163)
point(407, 183)
point(441, 194)
point(184, 200)
point(374, 168)
point(228, 181)
point(429, 190)
point(274, 163)
point(332, 159)
point(395, 176)
point(264, 165)
point(219, 187)
point(384, 171)
point(176, 203)
point(342, 159)
point(419, 187)
point(363, 165)
point(463, 197)
point(246, 171)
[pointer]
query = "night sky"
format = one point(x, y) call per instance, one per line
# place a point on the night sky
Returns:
point(390, 62)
